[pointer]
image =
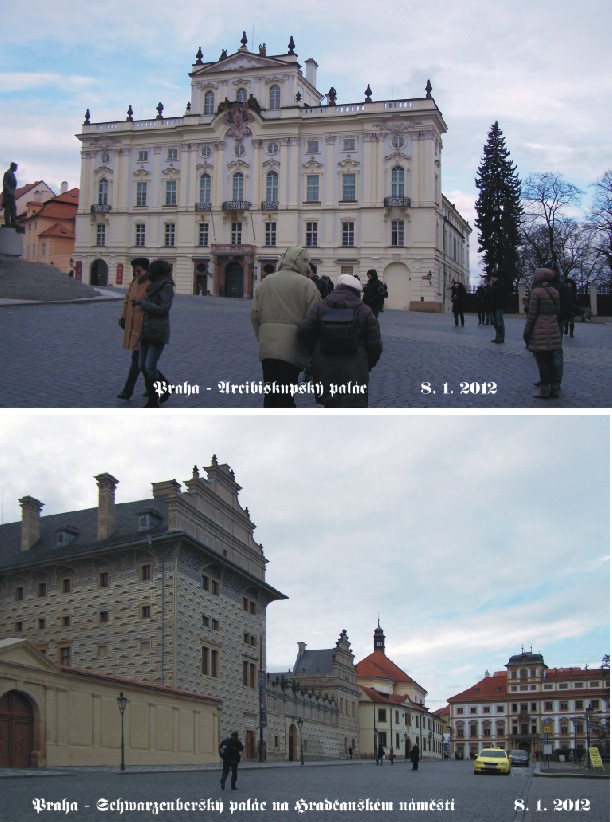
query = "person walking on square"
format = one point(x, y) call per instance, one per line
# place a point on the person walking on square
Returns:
point(497, 305)
point(280, 303)
point(542, 334)
point(458, 295)
point(344, 337)
point(380, 755)
point(414, 757)
point(131, 322)
point(230, 750)
point(155, 333)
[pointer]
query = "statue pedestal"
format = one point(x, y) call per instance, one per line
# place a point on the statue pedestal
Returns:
point(11, 241)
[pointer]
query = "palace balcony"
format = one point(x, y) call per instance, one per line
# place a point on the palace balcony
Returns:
point(269, 205)
point(236, 205)
point(397, 202)
point(99, 208)
point(203, 206)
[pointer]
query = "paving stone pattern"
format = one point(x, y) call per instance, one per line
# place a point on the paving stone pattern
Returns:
point(70, 356)
point(473, 798)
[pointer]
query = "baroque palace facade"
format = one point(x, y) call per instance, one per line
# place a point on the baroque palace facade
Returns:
point(259, 161)
point(529, 704)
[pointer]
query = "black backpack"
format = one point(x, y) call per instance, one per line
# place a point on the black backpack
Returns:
point(382, 289)
point(338, 328)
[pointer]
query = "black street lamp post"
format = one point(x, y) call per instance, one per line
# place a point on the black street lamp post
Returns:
point(300, 724)
point(122, 702)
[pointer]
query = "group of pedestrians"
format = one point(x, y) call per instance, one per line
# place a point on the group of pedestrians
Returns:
point(306, 323)
point(146, 327)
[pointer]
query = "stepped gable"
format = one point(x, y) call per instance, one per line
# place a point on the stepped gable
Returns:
point(23, 280)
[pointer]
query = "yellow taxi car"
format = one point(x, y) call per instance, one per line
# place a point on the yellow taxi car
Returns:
point(492, 760)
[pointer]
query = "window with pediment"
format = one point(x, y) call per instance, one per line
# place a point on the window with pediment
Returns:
point(275, 96)
point(209, 102)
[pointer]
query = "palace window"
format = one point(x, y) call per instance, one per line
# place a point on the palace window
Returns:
point(205, 188)
point(312, 146)
point(170, 199)
point(202, 233)
point(103, 579)
point(249, 674)
point(349, 188)
point(172, 154)
point(100, 235)
point(140, 234)
point(141, 194)
point(312, 188)
point(241, 95)
point(103, 191)
point(210, 661)
point(143, 156)
point(275, 96)
point(348, 234)
point(169, 234)
point(397, 181)
point(236, 233)
point(238, 186)
point(270, 234)
point(312, 233)
point(397, 232)
point(209, 103)
point(272, 186)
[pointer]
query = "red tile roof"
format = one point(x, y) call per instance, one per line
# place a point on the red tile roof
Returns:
point(491, 687)
point(386, 699)
point(378, 665)
point(58, 230)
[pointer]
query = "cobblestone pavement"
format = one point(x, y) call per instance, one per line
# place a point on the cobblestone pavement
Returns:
point(70, 356)
point(442, 790)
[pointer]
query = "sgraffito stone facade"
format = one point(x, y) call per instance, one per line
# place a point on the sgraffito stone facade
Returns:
point(169, 590)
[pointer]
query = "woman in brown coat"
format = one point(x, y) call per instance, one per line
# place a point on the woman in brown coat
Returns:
point(542, 334)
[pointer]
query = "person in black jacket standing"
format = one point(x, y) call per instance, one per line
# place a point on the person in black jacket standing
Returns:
point(230, 750)
point(373, 293)
point(155, 332)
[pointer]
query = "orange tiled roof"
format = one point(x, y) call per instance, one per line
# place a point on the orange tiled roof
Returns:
point(378, 664)
point(58, 230)
point(386, 699)
point(491, 687)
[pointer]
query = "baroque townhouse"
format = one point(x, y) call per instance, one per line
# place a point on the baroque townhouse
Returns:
point(261, 160)
point(392, 710)
point(530, 704)
point(169, 591)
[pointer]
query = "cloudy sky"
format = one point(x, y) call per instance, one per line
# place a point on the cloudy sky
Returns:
point(468, 536)
point(542, 70)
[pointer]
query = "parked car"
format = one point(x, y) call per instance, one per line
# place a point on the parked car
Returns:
point(519, 758)
point(492, 760)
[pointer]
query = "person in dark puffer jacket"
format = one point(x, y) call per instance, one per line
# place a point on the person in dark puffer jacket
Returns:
point(348, 373)
point(542, 334)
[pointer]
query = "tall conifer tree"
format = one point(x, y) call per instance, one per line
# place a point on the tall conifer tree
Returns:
point(498, 209)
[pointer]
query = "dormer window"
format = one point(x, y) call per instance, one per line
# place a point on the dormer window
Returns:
point(148, 520)
point(64, 536)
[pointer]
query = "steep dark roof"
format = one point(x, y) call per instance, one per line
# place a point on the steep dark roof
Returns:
point(312, 662)
point(85, 524)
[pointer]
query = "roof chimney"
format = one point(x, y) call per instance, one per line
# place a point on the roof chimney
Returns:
point(64, 187)
point(30, 522)
point(311, 71)
point(106, 505)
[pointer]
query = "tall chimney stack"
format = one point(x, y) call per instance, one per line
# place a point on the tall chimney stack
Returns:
point(106, 505)
point(30, 521)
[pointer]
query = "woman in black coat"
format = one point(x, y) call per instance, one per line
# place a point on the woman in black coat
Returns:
point(414, 757)
point(155, 332)
point(343, 377)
